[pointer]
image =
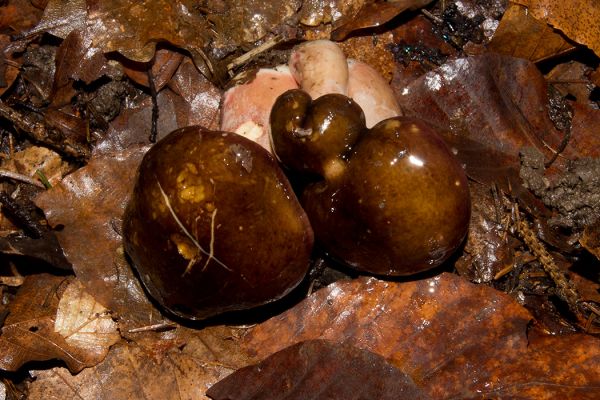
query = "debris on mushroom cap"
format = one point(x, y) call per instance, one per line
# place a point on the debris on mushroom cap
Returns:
point(213, 225)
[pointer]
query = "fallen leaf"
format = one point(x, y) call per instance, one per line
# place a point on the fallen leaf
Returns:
point(202, 98)
point(591, 239)
point(318, 369)
point(578, 19)
point(18, 16)
point(48, 320)
point(320, 12)
point(90, 217)
point(130, 29)
point(83, 322)
point(164, 65)
point(77, 59)
point(521, 35)
point(488, 108)
point(178, 364)
point(453, 338)
point(488, 249)
point(374, 14)
point(45, 248)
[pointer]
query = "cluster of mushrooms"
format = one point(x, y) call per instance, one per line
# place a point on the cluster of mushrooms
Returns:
point(214, 225)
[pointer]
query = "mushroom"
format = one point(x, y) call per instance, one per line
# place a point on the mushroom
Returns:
point(313, 136)
point(245, 108)
point(213, 225)
point(397, 201)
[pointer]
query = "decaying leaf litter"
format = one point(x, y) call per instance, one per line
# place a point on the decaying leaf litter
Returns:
point(78, 84)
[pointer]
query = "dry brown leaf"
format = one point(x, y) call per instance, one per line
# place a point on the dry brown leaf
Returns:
point(318, 369)
point(453, 338)
point(178, 364)
point(34, 158)
point(88, 204)
point(521, 35)
point(83, 322)
point(578, 19)
point(54, 318)
point(373, 14)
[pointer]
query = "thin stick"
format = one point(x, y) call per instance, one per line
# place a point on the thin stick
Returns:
point(253, 53)
point(20, 177)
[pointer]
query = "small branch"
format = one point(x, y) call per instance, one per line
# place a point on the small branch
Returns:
point(153, 94)
point(244, 58)
point(20, 177)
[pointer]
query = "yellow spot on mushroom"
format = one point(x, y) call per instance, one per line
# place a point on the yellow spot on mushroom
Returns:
point(185, 247)
point(414, 129)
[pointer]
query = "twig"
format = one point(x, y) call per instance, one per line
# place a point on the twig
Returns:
point(244, 58)
point(166, 326)
point(153, 95)
point(40, 132)
point(30, 225)
point(20, 177)
point(565, 289)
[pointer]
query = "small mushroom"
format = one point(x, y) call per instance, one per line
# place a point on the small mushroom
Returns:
point(314, 136)
point(213, 225)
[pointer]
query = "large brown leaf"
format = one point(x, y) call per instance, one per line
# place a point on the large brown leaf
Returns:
point(578, 19)
point(88, 205)
point(318, 369)
point(453, 338)
point(490, 107)
point(177, 364)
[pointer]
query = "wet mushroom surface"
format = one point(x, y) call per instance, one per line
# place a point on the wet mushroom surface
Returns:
point(213, 225)
point(397, 203)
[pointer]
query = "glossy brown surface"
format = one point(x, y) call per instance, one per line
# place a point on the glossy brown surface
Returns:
point(402, 203)
point(214, 226)
point(313, 136)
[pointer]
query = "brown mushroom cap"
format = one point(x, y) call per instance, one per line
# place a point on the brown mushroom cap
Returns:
point(401, 205)
point(213, 225)
point(313, 136)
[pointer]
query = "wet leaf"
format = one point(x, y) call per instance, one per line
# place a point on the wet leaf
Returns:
point(178, 364)
point(490, 107)
point(374, 14)
point(46, 248)
point(164, 65)
point(54, 318)
point(317, 12)
point(77, 59)
point(453, 338)
point(591, 239)
point(89, 215)
point(571, 79)
point(578, 19)
point(488, 249)
point(18, 15)
point(318, 369)
point(521, 35)
point(244, 22)
point(130, 29)
point(202, 98)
